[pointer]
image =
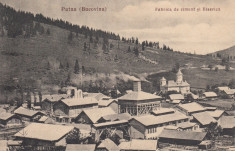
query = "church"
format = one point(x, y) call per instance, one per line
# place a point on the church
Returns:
point(179, 85)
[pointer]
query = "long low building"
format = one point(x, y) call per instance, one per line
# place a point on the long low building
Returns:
point(182, 137)
point(150, 126)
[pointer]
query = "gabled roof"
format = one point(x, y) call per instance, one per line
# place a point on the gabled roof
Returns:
point(139, 144)
point(230, 91)
point(227, 122)
point(79, 101)
point(110, 123)
point(97, 96)
point(109, 145)
point(139, 95)
point(106, 102)
point(149, 120)
point(80, 147)
point(182, 135)
point(27, 112)
point(192, 107)
point(204, 118)
point(114, 117)
point(54, 97)
point(223, 88)
point(186, 125)
point(210, 94)
point(172, 83)
point(216, 113)
point(5, 116)
point(163, 111)
point(176, 97)
point(47, 132)
point(96, 113)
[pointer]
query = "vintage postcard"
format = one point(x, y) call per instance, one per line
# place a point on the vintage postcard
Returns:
point(117, 75)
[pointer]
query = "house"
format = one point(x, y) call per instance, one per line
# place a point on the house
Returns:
point(179, 85)
point(176, 98)
point(80, 147)
point(227, 123)
point(138, 144)
point(190, 108)
point(27, 114)
point(150, 126)
point(91, 116)
point(209, 95)
point(109, 103)
point(38, 134)
point(97, 96)
point(8, 120)
point(217, 114)
point(107, 145)
point(46, 120)
point(203, 118)
point(114, 117)
point(181, 137)
point(230, 93)
point(66, 109)
point(138, 102)
point(163, 111)
point(119, 129)
point(188, 126)
point(222, 88)
point(48, 101)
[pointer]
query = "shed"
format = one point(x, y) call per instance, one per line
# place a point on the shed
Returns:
point(107, 145)
point(138, 144)
point(80, 147)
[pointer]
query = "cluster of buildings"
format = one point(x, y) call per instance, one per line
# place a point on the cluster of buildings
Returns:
point(121, 124)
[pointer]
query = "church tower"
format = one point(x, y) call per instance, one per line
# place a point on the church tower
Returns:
point(179, 77)
point(162, 81)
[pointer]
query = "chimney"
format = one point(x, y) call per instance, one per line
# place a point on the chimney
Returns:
point(79, 93)
point(136, 85)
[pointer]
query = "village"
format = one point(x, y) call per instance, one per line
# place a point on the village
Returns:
point(173, 118)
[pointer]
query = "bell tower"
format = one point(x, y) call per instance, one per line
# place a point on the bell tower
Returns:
point(179, 77)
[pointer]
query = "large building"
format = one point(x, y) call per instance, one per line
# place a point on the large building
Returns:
point(138, 102)
point(179, 85)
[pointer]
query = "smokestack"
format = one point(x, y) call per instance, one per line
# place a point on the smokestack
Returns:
point(136, 85)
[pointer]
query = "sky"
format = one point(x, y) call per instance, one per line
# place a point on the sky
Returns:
point(201, 31)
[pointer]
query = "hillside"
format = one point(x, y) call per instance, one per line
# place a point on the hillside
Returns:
point(228, 53)
point(45, 60)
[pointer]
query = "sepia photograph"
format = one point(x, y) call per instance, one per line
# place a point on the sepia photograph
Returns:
point(117, 75)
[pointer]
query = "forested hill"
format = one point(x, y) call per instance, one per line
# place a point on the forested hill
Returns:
point(43, 53)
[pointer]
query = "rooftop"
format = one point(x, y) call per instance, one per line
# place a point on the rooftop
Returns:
point(148, 120)
point(183, 135)
point(106, 102)
point(109, 145)
point(114, 117)
point(216, 113)
point(192, 107)
point(79, 101)
point(80, 147)
point(186, 125)
point(176, 97)
point(111, 123)
point(138, 144)
point(172, 83)
point(204, 118)
point(47, 132)
point(5, 116)
point(96, 113)
point(227, 121)
point(54, 97)
point(210, 94)
point(97, 96)
point(24, 111)
point(139, 95)
point(163, 111)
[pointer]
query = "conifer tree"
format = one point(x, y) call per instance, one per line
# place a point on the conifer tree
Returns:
point(76, 67)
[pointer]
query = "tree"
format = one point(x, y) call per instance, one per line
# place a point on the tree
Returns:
point(73, 137)
point(84, 46)
point(61, 66)
point(136, 41)
point(28, 100)
point(83, 70)
point(70, 37)
point(76, 67)
point(67, 66)
point(143, 44)
point(48, 66)
point(68, 80)
point(129, 49)
point(176, 68)
point(136, 51)
point(48, 31)
point(227, 67)
point(40, 97)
